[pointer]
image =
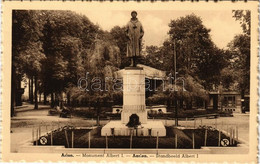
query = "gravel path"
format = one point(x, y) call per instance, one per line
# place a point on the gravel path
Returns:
point(27, 119)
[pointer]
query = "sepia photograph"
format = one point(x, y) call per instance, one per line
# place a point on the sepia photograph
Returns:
point(133, 83)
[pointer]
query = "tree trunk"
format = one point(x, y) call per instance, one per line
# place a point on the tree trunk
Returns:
point(61, 100)
point(176, 112)
point(35, 92)
point(89, 105)
point(98, 112)
point(191, 103)
point(31, 100)
point(40, 97)
point(29, 88)
point(13, 90)
point(243, 102)
point(181, 103)
point(215, 102)
point(168, 104)
point(12, 100)
point(68, 99)
point(56, 100)
point(44, 98)
point(18, 93)
point(52, 100)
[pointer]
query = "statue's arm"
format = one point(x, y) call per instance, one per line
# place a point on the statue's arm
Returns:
point(127, 31)
point(141, 31)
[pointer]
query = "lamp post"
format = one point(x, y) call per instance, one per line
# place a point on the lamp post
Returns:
point(174, 66)
point(175, 90)
point(220, 90)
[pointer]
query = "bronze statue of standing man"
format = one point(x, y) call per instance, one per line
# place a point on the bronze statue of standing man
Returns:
point(134, 32)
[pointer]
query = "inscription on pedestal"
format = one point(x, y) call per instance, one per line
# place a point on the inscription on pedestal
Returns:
point(134, 108)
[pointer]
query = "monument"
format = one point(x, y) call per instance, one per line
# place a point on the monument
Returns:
point(134, 114)
point(134, 34)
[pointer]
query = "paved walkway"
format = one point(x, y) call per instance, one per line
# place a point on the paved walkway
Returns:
point(222, 123)
point(27, 119)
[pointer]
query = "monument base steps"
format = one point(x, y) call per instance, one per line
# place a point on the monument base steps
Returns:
point(149, 129)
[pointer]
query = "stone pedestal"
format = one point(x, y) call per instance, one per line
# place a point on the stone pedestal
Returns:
point(134, 107)
point(134, 95)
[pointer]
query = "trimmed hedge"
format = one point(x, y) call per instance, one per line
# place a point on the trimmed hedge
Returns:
point(182, 114)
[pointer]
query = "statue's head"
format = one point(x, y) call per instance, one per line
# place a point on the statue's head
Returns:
point(133, 14)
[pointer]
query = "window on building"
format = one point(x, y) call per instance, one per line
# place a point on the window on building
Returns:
point(229, 101)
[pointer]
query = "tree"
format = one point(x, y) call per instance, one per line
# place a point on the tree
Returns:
point(119, 36)
point(199, 62)
point(196, 53)
point(102, 61)
point(64, 32)
point(239, 48)
point(27, 53)
point(153, 58)
point(244, 17)
point(56, 48)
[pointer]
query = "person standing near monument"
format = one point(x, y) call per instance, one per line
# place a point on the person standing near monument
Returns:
point(134, 33)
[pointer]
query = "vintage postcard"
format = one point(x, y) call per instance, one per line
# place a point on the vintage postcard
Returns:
point(129, 81)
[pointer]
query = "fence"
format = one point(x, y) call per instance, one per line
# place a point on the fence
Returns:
point(231, 131)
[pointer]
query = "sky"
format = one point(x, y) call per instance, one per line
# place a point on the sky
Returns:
point(155, 23)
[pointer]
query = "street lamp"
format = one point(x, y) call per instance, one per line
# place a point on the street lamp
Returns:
point(175, 90)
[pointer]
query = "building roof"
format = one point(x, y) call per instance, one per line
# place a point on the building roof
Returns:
point(225, 93)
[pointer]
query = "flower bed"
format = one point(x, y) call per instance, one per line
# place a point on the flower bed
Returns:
point(63, 136)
